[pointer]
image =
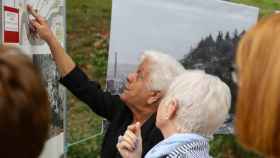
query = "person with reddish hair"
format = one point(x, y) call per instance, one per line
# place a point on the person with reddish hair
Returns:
point(24, 106)
point(258, 104)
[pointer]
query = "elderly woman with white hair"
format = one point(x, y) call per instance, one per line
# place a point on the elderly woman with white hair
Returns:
point(194, 107)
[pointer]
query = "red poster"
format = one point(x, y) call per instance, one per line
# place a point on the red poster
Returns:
point(11, 25)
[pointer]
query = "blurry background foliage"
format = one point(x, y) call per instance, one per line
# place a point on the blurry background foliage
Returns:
point(88, 30)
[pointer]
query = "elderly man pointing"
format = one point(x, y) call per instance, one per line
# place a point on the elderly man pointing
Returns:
point(139, 101)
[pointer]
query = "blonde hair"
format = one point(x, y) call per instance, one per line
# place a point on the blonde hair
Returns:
point(258, 104)
point(203, 102)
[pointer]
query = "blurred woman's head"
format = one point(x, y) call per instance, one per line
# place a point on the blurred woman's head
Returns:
point(194, 103)
point(258, 104)
point(24, 106)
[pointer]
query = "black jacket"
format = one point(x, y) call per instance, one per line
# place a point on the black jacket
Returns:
point(113, 109)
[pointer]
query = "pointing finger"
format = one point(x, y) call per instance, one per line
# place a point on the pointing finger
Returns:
point(35, 14)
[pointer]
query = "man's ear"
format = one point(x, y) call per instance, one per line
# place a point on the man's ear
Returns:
point(172, 109)
point(154, 97)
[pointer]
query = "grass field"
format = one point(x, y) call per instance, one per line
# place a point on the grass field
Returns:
point(88, 25)
point(266, 6)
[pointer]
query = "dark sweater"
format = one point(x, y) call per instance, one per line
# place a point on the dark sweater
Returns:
point(113, 109)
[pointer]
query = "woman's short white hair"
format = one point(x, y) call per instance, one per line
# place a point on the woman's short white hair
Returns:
point(162, 69)
point(203, 102)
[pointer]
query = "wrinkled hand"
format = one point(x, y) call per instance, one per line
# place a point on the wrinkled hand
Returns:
point(40, 25)
point(130, 144)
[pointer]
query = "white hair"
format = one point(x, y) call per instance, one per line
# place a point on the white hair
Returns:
point(203, 102)
point(162, 69)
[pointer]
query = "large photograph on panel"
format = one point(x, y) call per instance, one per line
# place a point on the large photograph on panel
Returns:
point(201, 34)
